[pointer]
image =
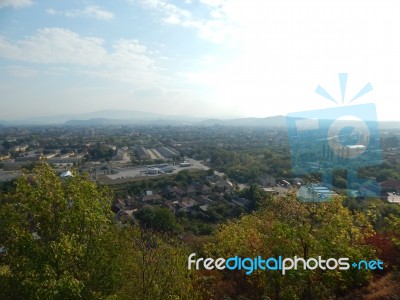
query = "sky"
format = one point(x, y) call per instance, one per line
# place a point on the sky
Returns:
point(203, 58)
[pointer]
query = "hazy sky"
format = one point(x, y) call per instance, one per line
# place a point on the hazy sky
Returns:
point(196, 57)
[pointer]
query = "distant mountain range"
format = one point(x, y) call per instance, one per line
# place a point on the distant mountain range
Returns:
point(131, 117)
point(275, 121)
point(119, 117)
point(102, 117)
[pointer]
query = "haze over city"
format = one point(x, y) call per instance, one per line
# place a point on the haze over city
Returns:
point(201, 58)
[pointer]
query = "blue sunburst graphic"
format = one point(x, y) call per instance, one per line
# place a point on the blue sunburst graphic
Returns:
point(343, 84)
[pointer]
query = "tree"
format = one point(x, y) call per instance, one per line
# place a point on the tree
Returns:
point(285, 227)
point(254, 194)
point(158, 268)
point(157, 218)
point(58, 238)
point(393, 231)
point(184, 177)
point(391, 142)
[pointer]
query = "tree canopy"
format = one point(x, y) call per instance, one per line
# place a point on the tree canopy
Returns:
point(60, 240)
point(54, 233)
point(285, 227)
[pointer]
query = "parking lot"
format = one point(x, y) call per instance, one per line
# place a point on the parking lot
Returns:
point(153, 170)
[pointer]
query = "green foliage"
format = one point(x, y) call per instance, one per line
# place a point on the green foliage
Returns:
point(100, 151)
point(58, 239)
point(246, 166)
point(157, 218)
point(184, 178)
point(254, 194)
point(6, 187)
point(159, 268)
point(60, 243)
point(375, 210)
point(391, 142)
point(210, 172)
point(393, 230)
point(284, 227)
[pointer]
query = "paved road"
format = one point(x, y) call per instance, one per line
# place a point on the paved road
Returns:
point(141, 171)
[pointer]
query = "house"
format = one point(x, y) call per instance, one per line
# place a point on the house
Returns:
point(224, 186)
point(390, 185)
point(214, 178)
point(203, 200)
point(5, 156)
point(267, 181)
point(284, 183)
point(129, 201)
point(188, 202)
point(125, 216)
point(184, 164)
point(168, 192)
point(167, 152)
point(117, 205)
point(179, 193)
point(393, 198)
point(205, 190)
point(204, 208)
point(298, 182)
point(152, 198)
point(49, 155)
point(20, 148)
point(143, 153)
point(216, 196)
point(152, 171)
point(191, 191)
point(242, 202)
point(171, 205)
point(202, 188)
point(122, 153)
point(167, 169)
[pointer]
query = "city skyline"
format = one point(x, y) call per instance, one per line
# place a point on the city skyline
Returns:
point(205, 58)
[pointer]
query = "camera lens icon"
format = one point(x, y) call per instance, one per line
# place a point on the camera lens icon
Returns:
point(348, 137)
point(335, 139)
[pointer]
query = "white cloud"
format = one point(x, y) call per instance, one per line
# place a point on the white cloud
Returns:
point(129, 61)
point(212, 2)
point(52, 12)
point(55, 45)
point(91, 12)
point(172, 13)
point(215, 28)
point(15, 3)
point(94, 12)
point(172, 19)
